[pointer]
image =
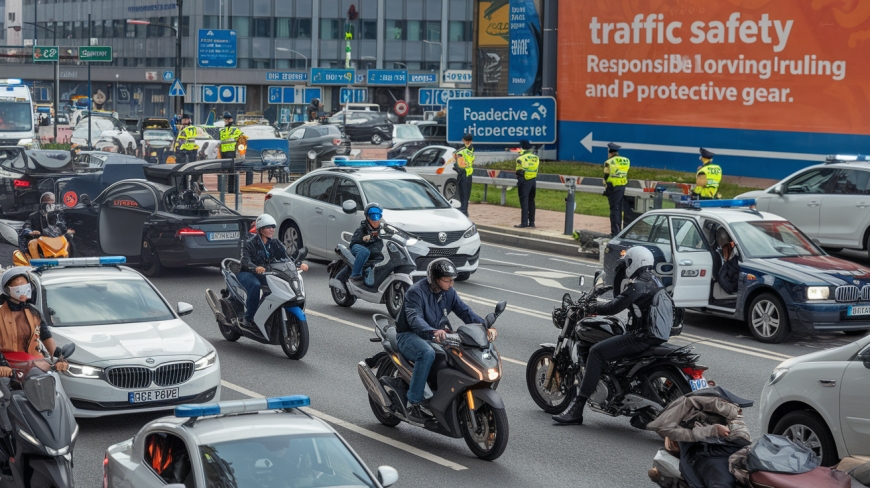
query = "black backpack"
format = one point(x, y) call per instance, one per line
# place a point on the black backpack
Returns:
point(661, 315)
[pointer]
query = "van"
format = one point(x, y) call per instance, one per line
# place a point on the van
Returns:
point(16, 115)
point(363, 107)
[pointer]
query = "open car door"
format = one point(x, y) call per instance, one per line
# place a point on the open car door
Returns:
point(693, 264)
point(123, 210)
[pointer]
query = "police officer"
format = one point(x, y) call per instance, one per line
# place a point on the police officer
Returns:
point(708, 177)
point(229, 135)
point(187, 146)
point(527, 177)
point(463, 163)
point(615, 177)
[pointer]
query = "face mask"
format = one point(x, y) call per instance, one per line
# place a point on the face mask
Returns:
point(50, 207)
point(16, 291)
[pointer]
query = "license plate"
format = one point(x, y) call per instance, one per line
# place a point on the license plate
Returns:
point(152, 395)
point(222, 236)
point(698, 384)
point(862, 310)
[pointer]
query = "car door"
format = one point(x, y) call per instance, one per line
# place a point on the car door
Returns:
point(338, 221)
point(855, 404)
point(693, 263)
point(298, 153)
point(844, 215)
point(314, 216)
point(801, 199)
point(422, 163)
point(652, 232)
point(122, 211)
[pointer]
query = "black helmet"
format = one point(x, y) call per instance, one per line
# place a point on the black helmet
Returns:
point(440, 268)
point(374, 209)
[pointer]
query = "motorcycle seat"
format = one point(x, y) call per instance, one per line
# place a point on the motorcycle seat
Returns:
point(660, 350)
point(391, 336)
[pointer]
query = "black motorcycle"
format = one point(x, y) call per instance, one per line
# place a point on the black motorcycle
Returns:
point(39, 429)
point(462, 401)
point(639, 386)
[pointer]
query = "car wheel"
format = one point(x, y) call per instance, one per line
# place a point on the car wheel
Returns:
point(291, 237)
point(768, 319)
point(463, 276)
point(149, 262)
point(809, 429)
point(377, 139)
point(450, 189)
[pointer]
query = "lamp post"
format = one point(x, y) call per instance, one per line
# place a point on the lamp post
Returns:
point(56, 71)
point(177, 30)
point(284, 49)
point(440, 61)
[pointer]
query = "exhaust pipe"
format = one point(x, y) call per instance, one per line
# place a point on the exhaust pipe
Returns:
point(216, 306)
point(376, 391)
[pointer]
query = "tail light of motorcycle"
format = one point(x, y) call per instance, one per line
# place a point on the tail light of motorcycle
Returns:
point(695, 372)
point(189, 232)
point(21, 183)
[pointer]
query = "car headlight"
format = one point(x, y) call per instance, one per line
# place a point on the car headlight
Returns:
point(84, 371)
point(274, 156)
point(818, 292)
point(776, 375)
point(471, 231)
point(206, 361)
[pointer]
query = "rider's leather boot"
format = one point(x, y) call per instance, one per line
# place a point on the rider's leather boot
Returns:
point(574, 413)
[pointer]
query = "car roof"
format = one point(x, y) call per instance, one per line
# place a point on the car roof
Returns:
point(60, 274)
point(728, 215)
point(266, 423)
point(369, 173)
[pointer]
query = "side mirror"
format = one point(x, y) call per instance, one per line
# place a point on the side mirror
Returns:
point(864, 357)
point(184, 308)
point(778, 190)
point(348, 207)
point(499, 308)
point(489, 319)
point(302, 253)
point(582, 281)
point(387, 476)
point(85, 199)
point(455, 203)
point(596, 276)
point(9, 235)
point(65, 351)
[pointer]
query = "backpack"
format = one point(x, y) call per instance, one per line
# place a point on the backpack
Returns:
point(661, 315)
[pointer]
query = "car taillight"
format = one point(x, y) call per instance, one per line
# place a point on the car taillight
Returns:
point(336, 142)
point(268, 196)
point(696, 373)
point(106, 471)
point(21, 183)
point(187, 231)
point(253, 229)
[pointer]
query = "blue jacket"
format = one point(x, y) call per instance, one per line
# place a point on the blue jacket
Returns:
point(255, 253)
point(425, 312)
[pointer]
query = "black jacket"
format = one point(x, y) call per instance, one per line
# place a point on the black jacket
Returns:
point(638, 295)
point(425, 311)
point(255, 253)
point(375, 244)
point(727, 272)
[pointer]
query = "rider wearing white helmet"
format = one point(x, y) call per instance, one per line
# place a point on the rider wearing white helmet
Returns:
point(641, 286)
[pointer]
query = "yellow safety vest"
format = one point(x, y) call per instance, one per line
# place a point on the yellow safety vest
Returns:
point(188, 134)
point(229, 136)
point(467, 153)
point(616, 169)
point(528, 162)
point(707, 181)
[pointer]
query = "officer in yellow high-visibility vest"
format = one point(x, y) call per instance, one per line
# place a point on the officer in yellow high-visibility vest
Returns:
point(229, 135)
point(615, 178)
point(186, 146)
point(527, 177)
point(463, 163)
point(708, 177)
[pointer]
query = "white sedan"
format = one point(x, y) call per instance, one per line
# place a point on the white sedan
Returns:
point(435, 164)
point(105, 127)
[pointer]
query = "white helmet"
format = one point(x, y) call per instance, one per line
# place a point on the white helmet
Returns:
point(265, 220)
point(636, 259)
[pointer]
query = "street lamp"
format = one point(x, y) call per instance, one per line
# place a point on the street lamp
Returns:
point(369, 57)
point(284, 49)
point(440, 61)
point(177, 30)
point(56, 71)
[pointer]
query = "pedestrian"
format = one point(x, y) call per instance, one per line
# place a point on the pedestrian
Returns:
point(527, 177)
point(463, 163)
point(615, 179)
point(708, 177)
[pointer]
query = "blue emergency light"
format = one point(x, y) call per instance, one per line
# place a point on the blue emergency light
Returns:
point(75, 262)
point(746, 202)
point(242, 406)
point(370, 163)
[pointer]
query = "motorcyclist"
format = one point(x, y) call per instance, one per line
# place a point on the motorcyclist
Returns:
point(258, 251)
point(48, 220)
point(423, 318)
point(638, 294)
point(366, 242)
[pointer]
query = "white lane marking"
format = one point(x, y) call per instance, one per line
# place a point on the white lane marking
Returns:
point(513, 308)
point(590, 263)
point(521, 363)
point(515, 254)
point(534, 267)
point(466, 283)
point(596, 265)
point(749, 348)
point(359, 430)
point(735, 348)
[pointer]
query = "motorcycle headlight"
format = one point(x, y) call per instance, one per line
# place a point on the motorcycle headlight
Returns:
point(274, 156)
point(818, 293)
point(57, 452)
point(84, 371)
point(471, 231)
point(777, 375)
point(206, 361)
point(492, 374)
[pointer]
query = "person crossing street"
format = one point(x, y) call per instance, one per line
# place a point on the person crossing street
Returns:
point(527, 177)
point(615, 178)
point(463, 163)
point(708, 177)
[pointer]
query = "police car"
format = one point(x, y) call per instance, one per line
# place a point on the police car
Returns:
point(267, 442)
point(787, 283)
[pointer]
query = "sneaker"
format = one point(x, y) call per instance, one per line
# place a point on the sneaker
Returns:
point(249, 324)
point(356, 280)
point(413, 413)
point(532, 225)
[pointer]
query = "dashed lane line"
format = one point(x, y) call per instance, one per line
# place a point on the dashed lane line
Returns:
point(535, 267)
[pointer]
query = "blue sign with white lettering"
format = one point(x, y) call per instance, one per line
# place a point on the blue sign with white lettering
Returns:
point(217, 48)
point(388, 77)
point(502, 120)
point(422, 79)
point(288, 95)
point(353, 95)
point(168, 76)
point(525, 42)
point(439, 96)
point(286, 76)
point(224, 93)
point(359, 79)
point(311, 94)
point(331, 76)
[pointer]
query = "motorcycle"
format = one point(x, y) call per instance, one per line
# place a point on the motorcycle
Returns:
point(392, 275)
point(280, 319)
point(52, 244)
point(639, 386)
point(39, 429)
point(464, 377)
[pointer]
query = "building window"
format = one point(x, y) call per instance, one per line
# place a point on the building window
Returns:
point(242, 25)
point(210, 21)
point(414, 30)
point(77, 31)
point(456, 32)
point(261, 64)
point(394, 30)
point(131, 30)
point(433, 31)
point(430, 66)
point(262, 28)
point(330, 29)
point(2, 30)
point(185, 26)
point(370, 29)
point(290, 28)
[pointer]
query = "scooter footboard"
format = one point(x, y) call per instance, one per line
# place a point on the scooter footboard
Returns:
point(55, 471)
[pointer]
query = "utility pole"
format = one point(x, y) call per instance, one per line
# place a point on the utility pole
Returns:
point(56, 81)
point(180, 102)
point(90, 95)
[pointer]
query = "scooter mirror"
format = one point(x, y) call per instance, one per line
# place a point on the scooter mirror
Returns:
point(348, 207)
point(455, 203)
point(490, 319)
point(499, 308)
point(582, 281)
point(65, 351)
point(302, 253)
point(8, 234)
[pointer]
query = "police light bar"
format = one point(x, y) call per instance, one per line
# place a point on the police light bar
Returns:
point(242, 406)
point(747, 202)
point(75, 262)
point(846, 158)
point(10, 81)
point(369, 163)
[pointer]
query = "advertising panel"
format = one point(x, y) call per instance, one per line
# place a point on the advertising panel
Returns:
point(525, 49)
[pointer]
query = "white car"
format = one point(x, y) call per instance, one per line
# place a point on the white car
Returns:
point(134, 353)
point(106, 127)
point(435, 164)
point(822, 400)
point(309, 212)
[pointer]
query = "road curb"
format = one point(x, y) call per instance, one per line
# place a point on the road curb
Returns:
point(526, 240)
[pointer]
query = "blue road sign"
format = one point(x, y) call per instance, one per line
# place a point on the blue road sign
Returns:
point(209, 93)
point(275, 94)
point(353, 95)
point(332, 76)
point(359, 79)
point(168, 76)
point(422, 79)
point(176, 89)
point(311, 94)
point(224, 94)
point(388, 77)
point(217, 48)
point(286, 95)
point(286, 76)
point(502, 120)
point(439, 96)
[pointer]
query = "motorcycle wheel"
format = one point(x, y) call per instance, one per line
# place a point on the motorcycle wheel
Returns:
point(228, 333)
point(396, 298)
point(555, 399)
point(385, 368)
point(490, 439)
point(667, 385)
point(341, 297)
point(295, 341)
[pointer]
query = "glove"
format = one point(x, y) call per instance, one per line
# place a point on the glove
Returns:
point(592, 309)
point(521, 173)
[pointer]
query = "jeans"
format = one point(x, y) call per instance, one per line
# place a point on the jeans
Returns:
point(418, 350)
point(610, 350)
point(252, 283)
point(616, 198)
point(463, 191)
point(527, 189)
point(362, 254)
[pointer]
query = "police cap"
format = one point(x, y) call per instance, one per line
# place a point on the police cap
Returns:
point(228, 115)
point(185, 116)
point(613, 147)
point(706, 154)
point(525, 145)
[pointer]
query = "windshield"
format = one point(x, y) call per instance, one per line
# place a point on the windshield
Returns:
point(97, 128)
point(161, 135)
point(103, 301)
point(403, 194)
point(311, 461)
point(408, 132)
point(260, 132)
point(772, 239)
point(15, 116)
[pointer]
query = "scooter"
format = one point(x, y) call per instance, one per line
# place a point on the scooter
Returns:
point(39, 429)
point(280, 319)
point(52, 244)
point(464, 377)
point(391, 275)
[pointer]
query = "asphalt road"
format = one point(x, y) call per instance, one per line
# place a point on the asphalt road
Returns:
point(604, 451)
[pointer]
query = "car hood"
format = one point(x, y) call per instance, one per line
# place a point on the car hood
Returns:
point(97, 344)
point(816, 269)
point(442, 219)
point(842, 353)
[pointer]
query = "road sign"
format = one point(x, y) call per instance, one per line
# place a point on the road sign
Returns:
point(502, 120)
point(176, 89)
point(388, 77)
point(331, 76)
point(457, 76)
point(439, 96)
point(224, 93)
point(217, 48)
point(95, 53)
point(285, 95)
point(353, 95)
point(45, 53)
point(422, 79)
point(150, 76)
point(359, 79)
point(168, 76)
point(286, 76)
point(401, 108)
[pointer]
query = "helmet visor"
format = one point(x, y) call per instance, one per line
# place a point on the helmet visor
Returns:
point(374, 216)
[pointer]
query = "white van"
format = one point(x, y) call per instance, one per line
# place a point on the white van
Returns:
point(16, 115)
